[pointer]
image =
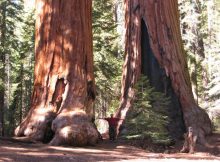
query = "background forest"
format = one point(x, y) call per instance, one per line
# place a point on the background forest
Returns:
point(200, 28)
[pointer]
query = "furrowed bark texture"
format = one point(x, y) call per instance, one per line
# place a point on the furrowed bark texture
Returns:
point(162, 23)
point(64, 89)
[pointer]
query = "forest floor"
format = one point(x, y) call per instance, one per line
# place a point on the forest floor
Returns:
point(24, 151)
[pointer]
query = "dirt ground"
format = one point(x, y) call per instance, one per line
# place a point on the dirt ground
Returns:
point(21, 151)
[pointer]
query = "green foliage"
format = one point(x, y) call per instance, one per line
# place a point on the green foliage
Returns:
point(23, 81)
point(201, 35)
point(107, 56)
point(214, 57)
point(10, 18)
point(194, 33)
point(16, 61)
point(216, 122)
point(148, 118)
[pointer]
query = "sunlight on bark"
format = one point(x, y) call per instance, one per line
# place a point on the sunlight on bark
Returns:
point(65, 131)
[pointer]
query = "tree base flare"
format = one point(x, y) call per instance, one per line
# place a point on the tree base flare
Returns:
point(68, 128)
point(74, 128)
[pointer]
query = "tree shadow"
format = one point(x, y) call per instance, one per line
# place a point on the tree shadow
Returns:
point(105, 151)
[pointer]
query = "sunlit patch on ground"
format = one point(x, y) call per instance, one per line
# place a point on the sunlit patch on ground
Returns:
point(106, 151)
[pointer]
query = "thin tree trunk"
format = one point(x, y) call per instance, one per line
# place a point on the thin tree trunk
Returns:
point(64, 91)
point(1, 112)
point(2, 88)
point(21, 95)
point(197, 48)
point(162, 22)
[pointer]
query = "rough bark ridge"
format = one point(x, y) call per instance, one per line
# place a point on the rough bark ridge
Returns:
point(162, 21)
point(63, 92)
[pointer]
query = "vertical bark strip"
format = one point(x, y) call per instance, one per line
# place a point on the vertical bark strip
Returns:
point(63, 69)
point(162, 20)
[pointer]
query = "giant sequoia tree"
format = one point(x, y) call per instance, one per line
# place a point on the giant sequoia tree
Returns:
point(154, 48)
point(61, 104)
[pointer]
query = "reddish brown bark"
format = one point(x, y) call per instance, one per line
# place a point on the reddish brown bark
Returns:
point(64, 82)
point(162, 22)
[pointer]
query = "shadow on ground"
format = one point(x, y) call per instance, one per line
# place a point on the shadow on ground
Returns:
point(14, 150)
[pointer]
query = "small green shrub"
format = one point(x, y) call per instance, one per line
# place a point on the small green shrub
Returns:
point(216, 124)
point(147, 118)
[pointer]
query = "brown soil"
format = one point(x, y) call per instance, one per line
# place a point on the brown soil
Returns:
point(21, 150)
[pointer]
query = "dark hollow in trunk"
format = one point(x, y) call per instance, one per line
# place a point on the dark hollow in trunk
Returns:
point(162, 21)
point(158, 79)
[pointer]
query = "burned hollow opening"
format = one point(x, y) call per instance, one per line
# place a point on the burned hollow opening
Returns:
point(158, 79)
point(56, 104)
point(57, 95)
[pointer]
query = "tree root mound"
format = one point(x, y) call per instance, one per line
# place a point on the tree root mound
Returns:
point(67, 128)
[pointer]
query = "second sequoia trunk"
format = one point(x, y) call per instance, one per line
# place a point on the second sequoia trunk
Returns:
point(154, 48)
point(63, 95)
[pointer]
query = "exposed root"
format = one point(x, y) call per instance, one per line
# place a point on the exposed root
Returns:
point(74, 128)
point(192, 137)
point(190, 142)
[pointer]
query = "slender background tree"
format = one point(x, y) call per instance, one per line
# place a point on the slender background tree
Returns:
point(10, 16)
point(107, 56)
point(200, 33)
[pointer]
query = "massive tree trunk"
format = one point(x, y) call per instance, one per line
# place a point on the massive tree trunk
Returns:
point(63, 95)
point(156, 24)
